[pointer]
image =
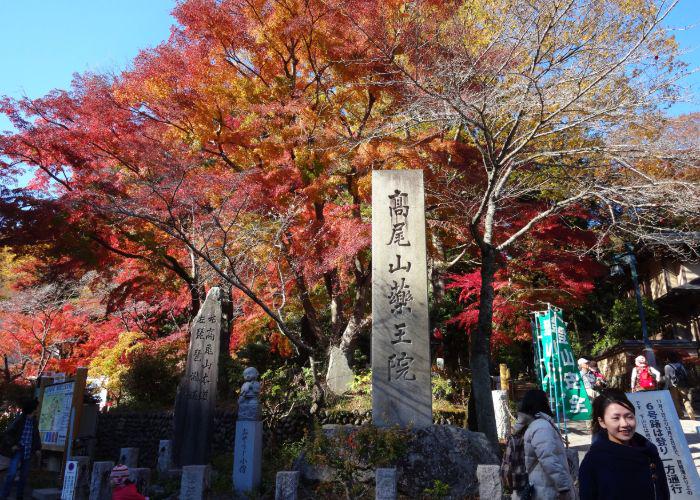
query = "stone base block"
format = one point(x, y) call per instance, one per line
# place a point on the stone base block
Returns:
point(47, 494)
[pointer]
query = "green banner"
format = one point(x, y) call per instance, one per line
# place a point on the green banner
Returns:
point(558, 371)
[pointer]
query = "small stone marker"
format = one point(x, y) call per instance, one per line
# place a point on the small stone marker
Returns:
point(195, 482)
point(286, 485)
point(401, 392)
point(196, 395)
point(339, 376)
point(100, 488)
point(141, 477)
point(247, 451)
point(129, 457)
point(489, 478)
point(165, 455)
point(500, 408)
point(385, 484)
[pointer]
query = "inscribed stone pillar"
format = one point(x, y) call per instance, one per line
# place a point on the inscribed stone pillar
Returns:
point(400, 338)
point(100, 488)
point(196, 396)
point(247, 450)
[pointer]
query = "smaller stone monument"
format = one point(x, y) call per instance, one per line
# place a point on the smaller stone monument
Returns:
point(339, 376)
point(489, 477)
point(385, 484)
point(195, 482)
point(500, 408)
point(286, 485)
point(99, 481)
point(129, 457)
point(165, 455)
point(247, 454)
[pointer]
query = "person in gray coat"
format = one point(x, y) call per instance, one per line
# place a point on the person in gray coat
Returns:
point(545, 455)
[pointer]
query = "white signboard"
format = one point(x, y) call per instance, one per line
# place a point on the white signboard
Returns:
point(657, 420)
point(69, 480)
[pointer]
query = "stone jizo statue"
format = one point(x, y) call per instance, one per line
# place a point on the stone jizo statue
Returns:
point(248, 404)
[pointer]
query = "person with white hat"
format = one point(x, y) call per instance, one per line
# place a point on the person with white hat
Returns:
point(644, 377)
point(588, 377)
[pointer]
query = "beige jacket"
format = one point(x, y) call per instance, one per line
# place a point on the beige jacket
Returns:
point(545, 460)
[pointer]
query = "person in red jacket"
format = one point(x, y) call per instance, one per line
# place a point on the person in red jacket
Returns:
point(122, 488)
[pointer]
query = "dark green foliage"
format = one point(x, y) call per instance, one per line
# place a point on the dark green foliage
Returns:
point(624, 323)
point(152, 379)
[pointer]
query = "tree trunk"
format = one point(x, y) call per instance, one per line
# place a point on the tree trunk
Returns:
point(480, 347)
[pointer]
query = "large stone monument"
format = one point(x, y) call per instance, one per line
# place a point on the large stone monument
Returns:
point(247, 452)
point(196, 396)
point(400, 338)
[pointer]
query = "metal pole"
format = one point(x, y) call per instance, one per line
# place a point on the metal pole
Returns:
point(560, 319)
point(648, 350)
point(536, 344)
point(553, 371)
point(546, 372)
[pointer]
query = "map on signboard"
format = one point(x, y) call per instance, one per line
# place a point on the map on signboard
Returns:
point(55, 414)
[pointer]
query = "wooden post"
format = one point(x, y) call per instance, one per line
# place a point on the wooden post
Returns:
point(505, 378)
point(77, 410)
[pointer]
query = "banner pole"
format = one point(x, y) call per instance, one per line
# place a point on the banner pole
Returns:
point(553, 361)
point(560, 319)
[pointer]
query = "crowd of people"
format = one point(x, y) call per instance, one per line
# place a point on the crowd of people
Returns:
point(620, 464)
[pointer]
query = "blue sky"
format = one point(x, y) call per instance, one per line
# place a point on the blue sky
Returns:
point(45, 41)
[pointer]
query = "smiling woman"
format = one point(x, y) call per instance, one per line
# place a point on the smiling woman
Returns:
point(621, 463)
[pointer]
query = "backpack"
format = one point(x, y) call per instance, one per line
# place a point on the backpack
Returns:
point(513, 472)
point(645, 379)
point(680, 376)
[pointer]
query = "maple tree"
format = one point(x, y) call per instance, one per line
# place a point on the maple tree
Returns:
point(233, 146)
point(559, 99)
point(51, 326)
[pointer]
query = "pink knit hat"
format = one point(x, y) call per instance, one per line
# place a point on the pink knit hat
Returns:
point(119, 475)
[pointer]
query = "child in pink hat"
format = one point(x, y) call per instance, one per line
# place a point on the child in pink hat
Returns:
point(122, 487)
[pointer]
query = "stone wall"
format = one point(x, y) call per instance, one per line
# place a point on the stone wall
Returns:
point(144, 429)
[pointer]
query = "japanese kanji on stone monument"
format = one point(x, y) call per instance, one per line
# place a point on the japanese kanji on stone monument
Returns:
point(196, 397)
point(400, 339)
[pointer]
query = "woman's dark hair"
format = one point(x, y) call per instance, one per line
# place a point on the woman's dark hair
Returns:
point(605, 399)
point(29, 406)
point(535, 401)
